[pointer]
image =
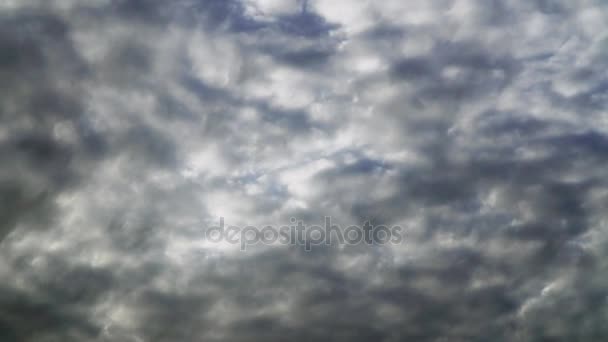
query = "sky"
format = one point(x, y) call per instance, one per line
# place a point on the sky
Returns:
point(128, 128)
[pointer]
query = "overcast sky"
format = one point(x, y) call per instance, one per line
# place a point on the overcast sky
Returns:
point(128, 127)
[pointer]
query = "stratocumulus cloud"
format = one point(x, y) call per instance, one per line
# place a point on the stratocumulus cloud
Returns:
point(130, 125)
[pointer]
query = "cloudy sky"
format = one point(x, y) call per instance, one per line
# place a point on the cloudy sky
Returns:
point(128, 127)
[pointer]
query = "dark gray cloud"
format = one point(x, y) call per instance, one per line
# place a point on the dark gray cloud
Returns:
point(129, 127)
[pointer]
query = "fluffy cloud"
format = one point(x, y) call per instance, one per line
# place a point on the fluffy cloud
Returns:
point(129, 127)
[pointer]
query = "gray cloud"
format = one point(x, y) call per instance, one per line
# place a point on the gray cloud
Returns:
point(129, 127)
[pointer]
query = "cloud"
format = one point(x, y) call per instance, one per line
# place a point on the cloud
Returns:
point(129, 127)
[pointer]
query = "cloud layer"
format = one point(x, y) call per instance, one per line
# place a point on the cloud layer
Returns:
point(128, 127)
